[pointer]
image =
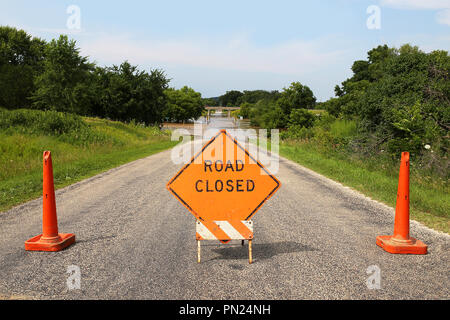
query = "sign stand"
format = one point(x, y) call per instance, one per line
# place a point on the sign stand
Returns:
point(198, 251)
point(232, 230)
point(250, 257)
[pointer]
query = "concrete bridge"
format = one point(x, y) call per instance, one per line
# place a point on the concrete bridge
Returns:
point(221, 109)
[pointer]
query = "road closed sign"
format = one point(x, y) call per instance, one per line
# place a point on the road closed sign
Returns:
point(223, 183)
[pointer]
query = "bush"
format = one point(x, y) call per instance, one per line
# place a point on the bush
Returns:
point(323, 137)
point(266, 114)
point(68, 127)
point(245, 110)
point(302, 118)
point(45, 122)
point(343, 128)
point(296, 132)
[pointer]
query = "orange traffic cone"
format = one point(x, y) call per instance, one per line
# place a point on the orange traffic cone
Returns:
point(400, 242)
point(50, 239)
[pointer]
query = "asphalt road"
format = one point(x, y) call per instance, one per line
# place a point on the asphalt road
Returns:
point(314, 239)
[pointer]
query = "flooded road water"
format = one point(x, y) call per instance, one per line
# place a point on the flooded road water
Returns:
point(216, 121)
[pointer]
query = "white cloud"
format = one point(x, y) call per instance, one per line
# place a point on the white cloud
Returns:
point(235, 53)
point(426, 42)
point(417, 4)
point(443, 17)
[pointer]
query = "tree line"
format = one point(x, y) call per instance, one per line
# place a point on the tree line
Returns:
point(35, 74)
point(397, 99)
point(269, 109)
point(400, 99)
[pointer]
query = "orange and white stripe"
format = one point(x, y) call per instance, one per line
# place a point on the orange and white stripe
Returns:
point(224, 231)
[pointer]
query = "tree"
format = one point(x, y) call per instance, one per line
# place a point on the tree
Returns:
point(301, 118)
point(437, 91)
point(338, 91)
point(402, 82)
point(400, 98)
point(20, 62)
point(54, 76)
point(267, 114)
point(126, 93)
point(183, 104)
point(333, 106)
point(377, 58)
point(297, 96)
point(253, 96)
point(212, 102)
point(369, 70)
point(65, 81)
point(230, 99)
point(245, 110)
point(273, 118)
point(360, 70)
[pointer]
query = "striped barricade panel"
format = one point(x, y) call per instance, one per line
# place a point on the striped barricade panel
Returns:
point(224, 231)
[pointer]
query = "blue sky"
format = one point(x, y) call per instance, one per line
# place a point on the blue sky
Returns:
point(215, 46)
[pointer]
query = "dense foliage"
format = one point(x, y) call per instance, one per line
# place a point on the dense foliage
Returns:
point(272, 109)
point(65, 80)
point(396, 100)
point(401, 99)
point(66, 127)
point(54, 76)
point(125, 93)
point(20, 62)
point(183, 104)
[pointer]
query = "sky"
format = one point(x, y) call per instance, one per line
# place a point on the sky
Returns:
point(216, 46)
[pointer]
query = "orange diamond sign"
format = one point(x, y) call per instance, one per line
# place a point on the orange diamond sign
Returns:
point(223, 182)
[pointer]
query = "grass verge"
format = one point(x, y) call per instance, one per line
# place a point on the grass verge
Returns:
point(79, 152)
point(430, 200)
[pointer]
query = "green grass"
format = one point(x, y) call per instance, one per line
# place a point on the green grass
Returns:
point(343, 128)
point(430, 198)
point(81, 148)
